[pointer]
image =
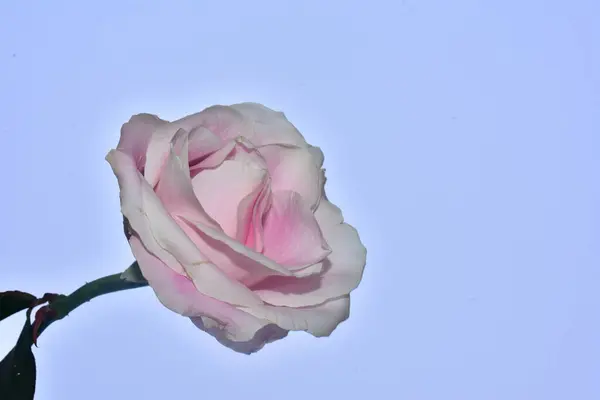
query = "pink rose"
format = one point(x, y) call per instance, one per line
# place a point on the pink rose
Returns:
point(230, 225)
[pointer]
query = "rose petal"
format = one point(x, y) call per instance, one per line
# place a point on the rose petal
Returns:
point(220, 190)
point(318, 320)
point(268, 126)
point(239, 330)
point(174, 187)
point(234, 328)
point(317, 155)
point(250, 213)
point(258, 124)
point(175, 291)
point(223, 121)
point(292, 236)
point(213, 160)
point(343, 268)
point(161, 234)
point(158, 149)
point(294, 168)
point(136, 134)
point(202, 143)
point(131, 184)
point(237, 261)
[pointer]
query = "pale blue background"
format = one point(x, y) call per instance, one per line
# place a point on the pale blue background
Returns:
point(462, 139)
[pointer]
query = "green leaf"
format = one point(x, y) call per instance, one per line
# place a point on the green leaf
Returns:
point(13, 301)
point(17, 370)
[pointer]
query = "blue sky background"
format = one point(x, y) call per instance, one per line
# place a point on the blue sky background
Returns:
point(461, 138)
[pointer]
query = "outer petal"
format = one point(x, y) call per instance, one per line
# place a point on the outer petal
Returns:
point(175, 291)
point(239, 330)
point(258, 124)
point(131, 185)
point(291, 234)
point(225, 122)
point(234, 328)
point(317, 155)
point(136, 134)
point(158, 149)
point(343, 268)
point(295, 168)
point(268, 126)
point(161, 235)
point(318, 320)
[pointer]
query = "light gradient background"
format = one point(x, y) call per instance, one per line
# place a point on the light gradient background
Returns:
point(462, 139)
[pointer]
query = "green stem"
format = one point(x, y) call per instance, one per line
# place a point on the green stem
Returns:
point(105, 285)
